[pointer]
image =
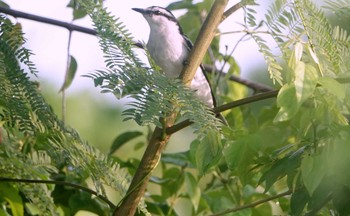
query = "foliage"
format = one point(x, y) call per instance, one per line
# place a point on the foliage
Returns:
point(291, 157)
point(36, 145)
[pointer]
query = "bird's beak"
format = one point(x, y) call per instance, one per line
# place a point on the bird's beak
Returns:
point(140, 10)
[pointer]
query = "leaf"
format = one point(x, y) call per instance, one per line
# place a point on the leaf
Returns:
point(10, 194)
point(238, 155)
point(333, 87)
point(282, 167)
point(298, 51)
point(218, 200)
point(122, 139)
point(4, 5)
point(287, 102)
point(207, 152)
point(179, 5)
point(305, 81)
point(180, 159)
point(70, 73)
point(78, 14)
point(78, 11)
point(312, 172)
point(298, 201)
point(299, 79)
point(193, 190)
point(173, 179)
point(84, 201)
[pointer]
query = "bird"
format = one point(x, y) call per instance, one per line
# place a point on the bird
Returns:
point(169, 47)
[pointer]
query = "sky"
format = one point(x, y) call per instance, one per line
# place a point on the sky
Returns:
point(49, 43)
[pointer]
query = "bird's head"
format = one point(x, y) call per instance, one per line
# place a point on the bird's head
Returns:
point(158, 17)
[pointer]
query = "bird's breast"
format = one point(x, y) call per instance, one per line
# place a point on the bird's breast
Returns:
point(168, 52)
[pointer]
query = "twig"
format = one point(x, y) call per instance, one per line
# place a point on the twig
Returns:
point(231, 10)
point(253, 204)
point(247, 100)
point(69, 26)
point(76, 186)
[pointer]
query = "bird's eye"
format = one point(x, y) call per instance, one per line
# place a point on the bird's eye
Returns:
point(157, 12)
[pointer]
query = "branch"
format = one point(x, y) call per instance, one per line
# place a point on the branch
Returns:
point(234, 8)
point(140, 180)
point(257, 87)
point(160, 138)
point(76, 186)
point(203, 41)
point(69, 26)
point(247, 100)
point(253, 204)
point(231, 10)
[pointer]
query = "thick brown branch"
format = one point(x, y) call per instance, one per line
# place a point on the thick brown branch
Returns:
point(139, 182)
point(203, 41)
point(253, 204)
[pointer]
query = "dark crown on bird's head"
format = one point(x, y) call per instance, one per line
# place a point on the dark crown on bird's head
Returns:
point(159, 11)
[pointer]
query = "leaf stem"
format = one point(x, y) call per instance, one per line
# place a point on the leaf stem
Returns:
point(253, 204)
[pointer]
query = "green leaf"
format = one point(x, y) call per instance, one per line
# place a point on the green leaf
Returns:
point(207, 152)
point(173, 179)
point(305, 81)
point(298, 51)
point(281, 168)
point(238, 155)
point(287, 102)
point(10, 194)
point(84, 201)
point(180, 159)
point(193, 190)
point(333, 87)
point(180, 5)
point(218, 200)
point(72, 69)
point(312, 172)
point(78, 11)
point(78, 14)
point(3, 4)
point(298, 201)
point(122, 139)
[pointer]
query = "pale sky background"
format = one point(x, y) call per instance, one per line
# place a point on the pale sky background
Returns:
point(49, 43)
